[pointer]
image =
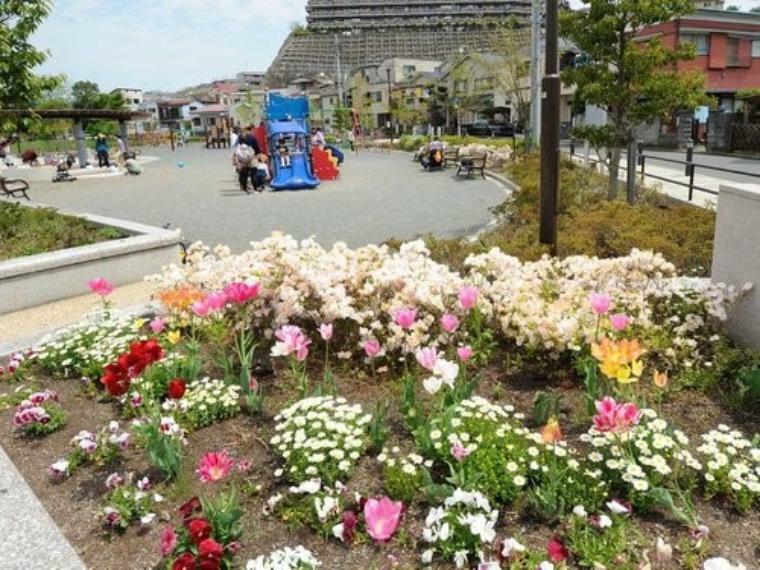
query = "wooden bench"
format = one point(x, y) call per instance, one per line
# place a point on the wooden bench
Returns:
point(472, 164)
point(14, 188)
point(450, 156)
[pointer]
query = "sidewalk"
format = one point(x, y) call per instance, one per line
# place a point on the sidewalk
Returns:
point(21, 329)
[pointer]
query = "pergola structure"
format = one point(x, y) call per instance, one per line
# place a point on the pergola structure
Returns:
point(78, 116)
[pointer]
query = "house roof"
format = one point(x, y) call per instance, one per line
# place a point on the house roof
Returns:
point(173, 102)
point(215, 109)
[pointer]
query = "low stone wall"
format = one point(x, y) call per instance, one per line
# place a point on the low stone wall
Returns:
point(46, 277)
point(736, 256)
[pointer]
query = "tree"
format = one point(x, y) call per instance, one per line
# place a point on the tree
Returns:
point(341, 120)
point(87, 95)
point(84, 94)
point(249, 109)
point(405, 115)
point(511, 72)
point(19, 86)
point(635, 81)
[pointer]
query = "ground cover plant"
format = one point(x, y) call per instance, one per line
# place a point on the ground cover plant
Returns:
point(26, 231)
point(296, 407)
point(590, 224)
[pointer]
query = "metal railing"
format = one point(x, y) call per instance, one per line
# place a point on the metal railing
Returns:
point(690, 168)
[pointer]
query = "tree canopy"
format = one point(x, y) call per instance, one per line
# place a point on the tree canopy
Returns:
point(634, 80)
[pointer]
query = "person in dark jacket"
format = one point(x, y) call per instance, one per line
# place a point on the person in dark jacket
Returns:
point(101, 149)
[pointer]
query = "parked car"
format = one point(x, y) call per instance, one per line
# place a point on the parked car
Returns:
point(486, 129)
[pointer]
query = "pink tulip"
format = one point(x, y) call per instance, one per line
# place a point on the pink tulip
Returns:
point(449, 323)
point(216, 301)
point(214, 466)
point(157, 325)
point(168, 541)
point(620, 321)
point(460, 452)
point(612, 416)
point(468, 297)
point(382, 517)
point(601, 303)
point(326, 331)
point(465, 353)
point(292, 341)
point(101, 286)
point(200, 308)
point(240, 292)
point(427, 357)
point(371, 348)
point(405, 318)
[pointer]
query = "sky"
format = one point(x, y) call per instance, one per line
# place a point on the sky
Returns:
point(170, 44)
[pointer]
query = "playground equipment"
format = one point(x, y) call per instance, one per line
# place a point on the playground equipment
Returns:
point(295, 163)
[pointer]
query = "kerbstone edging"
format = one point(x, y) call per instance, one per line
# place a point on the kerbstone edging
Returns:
point(37, 279)
point(32, 540)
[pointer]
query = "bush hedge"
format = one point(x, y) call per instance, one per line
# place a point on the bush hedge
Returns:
point(589, 224)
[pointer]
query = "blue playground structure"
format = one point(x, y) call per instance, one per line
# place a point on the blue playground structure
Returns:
point(288, 126)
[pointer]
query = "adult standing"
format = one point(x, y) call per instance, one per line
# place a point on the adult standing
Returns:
point(249, 138)
point(352, 140)
point(101, 149)
point(122, 156)
point(243, 160)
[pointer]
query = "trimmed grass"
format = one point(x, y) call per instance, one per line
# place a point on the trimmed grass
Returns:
point(28, 231)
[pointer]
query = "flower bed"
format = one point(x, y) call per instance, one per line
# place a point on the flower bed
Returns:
point(295, 407)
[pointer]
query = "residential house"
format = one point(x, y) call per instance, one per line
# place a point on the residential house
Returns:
point(208, 116)
point(255, 80)
point(133, 98)
point(176, 114)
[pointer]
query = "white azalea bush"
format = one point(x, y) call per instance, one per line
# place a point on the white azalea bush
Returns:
point(85, 348)
point(460, 530)
point(287, 558)
point(732, 466)
point(651, 454)
point(540, 305)
point(205, 402)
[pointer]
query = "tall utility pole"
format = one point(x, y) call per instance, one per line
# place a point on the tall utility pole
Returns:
point(535, 74)
point(390, 103)
point(338, 71)
point(550, 131)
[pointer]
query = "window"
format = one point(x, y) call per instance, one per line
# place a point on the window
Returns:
point(407, 70)
point(756, 48)
point(701, 41)
point(376, 96)
point(484, 84)
point(460, 85)
point(732, 52)
point(136, 101)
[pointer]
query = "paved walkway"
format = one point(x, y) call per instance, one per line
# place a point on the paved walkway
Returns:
point(380, 195)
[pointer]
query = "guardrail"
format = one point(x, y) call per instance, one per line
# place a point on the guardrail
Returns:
point(690, 168)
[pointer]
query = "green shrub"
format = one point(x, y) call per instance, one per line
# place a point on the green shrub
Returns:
point(589, 224)
point(27, 231)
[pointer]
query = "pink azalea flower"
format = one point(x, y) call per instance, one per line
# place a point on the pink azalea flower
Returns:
point(292, 340)
point(371, 348)
point(101, 286)
point(460, 452)
point(382, 517)
point(449, 323)
point(214, 466)
point(326, 331)
point(157, 325)
point(601, 303)
point(427, 357)
point(620, 321)
point(240, 292)
point(465, 353)
point(405, 318)
point(612, 416)
point(468, 297)
point(168, 541)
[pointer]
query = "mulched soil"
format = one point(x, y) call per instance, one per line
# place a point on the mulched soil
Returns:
point(74, 503)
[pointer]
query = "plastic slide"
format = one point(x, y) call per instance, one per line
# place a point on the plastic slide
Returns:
point(325, 164)
point(295, 176)
point(336, 152)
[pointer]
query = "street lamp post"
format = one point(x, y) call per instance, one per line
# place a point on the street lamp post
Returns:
point(338, 70)
point(550, 111)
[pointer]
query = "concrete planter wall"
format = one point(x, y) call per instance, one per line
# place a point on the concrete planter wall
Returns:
point(46, 277)
point(736, 256)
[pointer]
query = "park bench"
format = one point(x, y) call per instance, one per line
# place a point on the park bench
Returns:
point(472, 164)
point(14, 188)
point(450, 156)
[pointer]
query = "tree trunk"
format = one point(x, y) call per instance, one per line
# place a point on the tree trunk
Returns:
point(614, 183)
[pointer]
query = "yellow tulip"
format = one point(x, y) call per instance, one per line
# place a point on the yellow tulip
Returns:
point(138, 324)
point(637, 367)
point(174, 337)
point(551, 432)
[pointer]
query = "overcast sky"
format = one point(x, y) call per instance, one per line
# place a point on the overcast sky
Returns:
point(170, 44)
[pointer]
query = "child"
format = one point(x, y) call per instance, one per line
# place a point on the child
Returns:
point(282, 150)
point(262, 173)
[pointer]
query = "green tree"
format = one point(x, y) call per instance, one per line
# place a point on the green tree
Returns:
point(19, 86)
point(511, 71)
point(406, 115)
point(87, 95)
point(249, 109)
point(635, 81)
point(341, 119)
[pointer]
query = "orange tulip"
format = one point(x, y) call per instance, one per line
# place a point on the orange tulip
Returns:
point(660, 379)
point(551, 432)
